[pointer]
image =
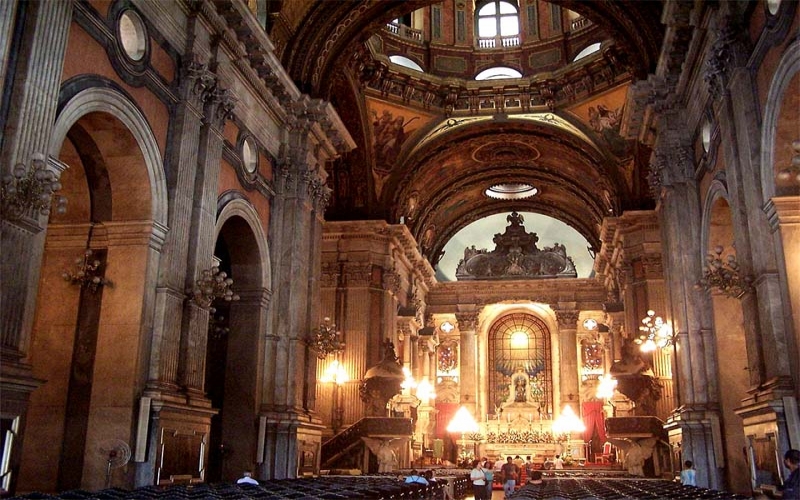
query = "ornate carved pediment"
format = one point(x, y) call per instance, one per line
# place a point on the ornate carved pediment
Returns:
point(516, 256)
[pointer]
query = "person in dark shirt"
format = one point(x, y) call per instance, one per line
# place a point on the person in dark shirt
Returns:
point(791, 487)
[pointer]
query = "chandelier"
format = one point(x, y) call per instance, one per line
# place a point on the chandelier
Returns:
point(327, 339)
point(87, 273)
point(655, 333)
point(30, 190)
point(723, 276)
point(213, 284)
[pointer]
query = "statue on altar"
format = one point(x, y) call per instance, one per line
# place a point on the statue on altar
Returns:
point(520, 388)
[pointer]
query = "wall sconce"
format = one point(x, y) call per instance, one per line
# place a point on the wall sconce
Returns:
point(327, 340)
point(212, 284)
point(27, 191)
point(723, 276)
point(87, 273)
point(655, 333)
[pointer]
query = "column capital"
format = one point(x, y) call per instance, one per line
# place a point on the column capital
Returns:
point(728, 52)
point(219, 106)
point(567, 318)
point(467, 321)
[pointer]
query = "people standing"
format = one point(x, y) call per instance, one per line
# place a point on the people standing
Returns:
point(559, 463)
point(478, 477)
point(510, 473)
point(791, 487)
point(489, 473)
point(688, 474)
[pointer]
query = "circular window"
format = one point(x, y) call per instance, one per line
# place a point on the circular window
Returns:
point(773, 6)
point(249, 156)
point(511, 191)
point(706, 136)
point(133, 35)
point(590, 324)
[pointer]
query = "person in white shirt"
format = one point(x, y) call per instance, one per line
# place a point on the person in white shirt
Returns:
point(559, 462)
point(247, 478)
point(478, 478)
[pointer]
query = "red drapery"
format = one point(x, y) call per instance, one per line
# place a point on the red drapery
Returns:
point(595, 421)
point(445, 414)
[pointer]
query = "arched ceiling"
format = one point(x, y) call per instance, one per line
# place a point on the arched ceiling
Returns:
point(437, 174)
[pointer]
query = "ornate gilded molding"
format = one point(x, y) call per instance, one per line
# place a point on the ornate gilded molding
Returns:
point(392, 281)
point(358, 273)
point(516, 256)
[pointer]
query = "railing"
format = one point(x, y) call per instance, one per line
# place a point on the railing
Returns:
point(498, 42)
point(405, 32)
point(579, 23)
point(367, 426)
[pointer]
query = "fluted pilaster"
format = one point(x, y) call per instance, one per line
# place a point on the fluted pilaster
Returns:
point(468, 358)
point(568, 340)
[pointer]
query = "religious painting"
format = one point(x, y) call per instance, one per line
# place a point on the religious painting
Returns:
point(603, 115)
point(391, 128)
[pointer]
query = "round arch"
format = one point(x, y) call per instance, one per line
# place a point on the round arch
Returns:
point(788, 67)
point(113, 102)
point(228, 208)
point(716, 190)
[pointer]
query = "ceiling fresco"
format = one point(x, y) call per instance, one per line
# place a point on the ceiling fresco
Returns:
point(429, 147)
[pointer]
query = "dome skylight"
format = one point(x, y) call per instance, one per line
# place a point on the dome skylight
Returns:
point(511, 191)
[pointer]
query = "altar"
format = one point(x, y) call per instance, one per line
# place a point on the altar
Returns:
point(523, 425)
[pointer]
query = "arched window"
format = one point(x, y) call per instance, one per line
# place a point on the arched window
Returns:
point(498, 25)
point(497, 73)
point(520, 362)
point(405, 62)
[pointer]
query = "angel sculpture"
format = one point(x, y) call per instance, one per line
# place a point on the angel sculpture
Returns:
point(636, 452)
point(384, 449)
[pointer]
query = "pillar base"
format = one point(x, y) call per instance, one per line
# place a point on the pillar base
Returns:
point(289, 444)
point(771, 427)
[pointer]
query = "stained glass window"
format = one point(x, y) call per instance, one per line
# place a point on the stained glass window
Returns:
point(520, 344)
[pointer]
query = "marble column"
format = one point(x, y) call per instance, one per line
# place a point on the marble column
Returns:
point(679, 209)
point(292, 426)
point(763, 306)
point(191, 368)
point(173, 282)
point(33, 110)
point(33, 99)
point(468, 360)
point(568, 341)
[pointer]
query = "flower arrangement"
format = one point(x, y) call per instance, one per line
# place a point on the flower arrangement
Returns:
point(526, 437)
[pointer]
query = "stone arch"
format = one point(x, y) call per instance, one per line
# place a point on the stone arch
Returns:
point(240, 207)
point(95, 342)
point(779, 89)
point(113, 102)
point(235, 351)
point(717, 190)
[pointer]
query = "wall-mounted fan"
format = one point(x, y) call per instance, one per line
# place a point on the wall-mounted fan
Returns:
point(117, 453)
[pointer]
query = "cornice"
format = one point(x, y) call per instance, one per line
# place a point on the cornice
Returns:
point(459, 97)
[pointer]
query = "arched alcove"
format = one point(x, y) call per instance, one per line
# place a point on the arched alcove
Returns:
point(235, 350)
point(729, 334)
point(92, 346)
